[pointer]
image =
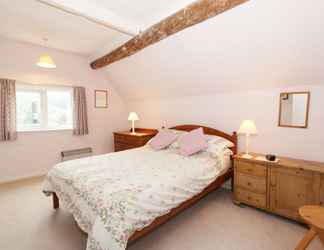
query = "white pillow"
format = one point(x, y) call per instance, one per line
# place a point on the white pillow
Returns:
point(228, 152)
point(218, 145)
point(213, 139)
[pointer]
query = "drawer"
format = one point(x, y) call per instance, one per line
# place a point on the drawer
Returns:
point(131, 140)
point(251, 168)
point(119, 137)
point(121, 147)
point(256, 184)
point(254, 199)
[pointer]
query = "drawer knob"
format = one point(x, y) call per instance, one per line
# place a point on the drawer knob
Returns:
point(300, 196)
point(249, 183)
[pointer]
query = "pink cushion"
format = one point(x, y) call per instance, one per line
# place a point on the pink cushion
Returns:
point(193, 142)
point(163, 139)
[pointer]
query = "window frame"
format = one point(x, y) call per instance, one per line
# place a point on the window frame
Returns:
point(43, 89)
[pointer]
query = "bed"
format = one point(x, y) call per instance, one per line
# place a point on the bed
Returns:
point(115, 210)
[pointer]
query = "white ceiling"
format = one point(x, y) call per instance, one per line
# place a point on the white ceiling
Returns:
point(143, 13)
point(257, 45)
point(30, 21)
point(260, 44)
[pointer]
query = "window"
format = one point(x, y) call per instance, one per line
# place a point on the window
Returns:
point(44, 108)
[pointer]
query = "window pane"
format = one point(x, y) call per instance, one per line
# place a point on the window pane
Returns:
point(60, 114)
point(28, 110)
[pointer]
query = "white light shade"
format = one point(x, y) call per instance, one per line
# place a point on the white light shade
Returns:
point(45, 61)
point(248, 127)
point(133, 116)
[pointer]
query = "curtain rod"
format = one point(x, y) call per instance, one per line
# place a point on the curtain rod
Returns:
point(41, 84)
point(45, 84)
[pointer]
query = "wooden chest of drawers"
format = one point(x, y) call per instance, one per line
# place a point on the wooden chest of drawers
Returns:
point(127, 140)
point(281, 188)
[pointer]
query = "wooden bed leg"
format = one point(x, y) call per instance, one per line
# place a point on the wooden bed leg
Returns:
point(56, 202)
point(237, 203)
point(232, 183)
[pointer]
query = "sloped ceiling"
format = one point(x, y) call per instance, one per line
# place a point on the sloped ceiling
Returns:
point(32, 20)
point(260, 44)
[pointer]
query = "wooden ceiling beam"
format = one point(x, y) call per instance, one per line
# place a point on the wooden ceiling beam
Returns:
point(195, 13)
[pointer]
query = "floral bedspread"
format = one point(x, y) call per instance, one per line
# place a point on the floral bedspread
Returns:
point(113, 195)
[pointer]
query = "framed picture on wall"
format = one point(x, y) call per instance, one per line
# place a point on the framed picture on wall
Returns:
point(101, 99)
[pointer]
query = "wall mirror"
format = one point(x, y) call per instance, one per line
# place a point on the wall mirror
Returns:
point(294, 109)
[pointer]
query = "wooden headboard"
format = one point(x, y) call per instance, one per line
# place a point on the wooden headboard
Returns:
point(211, 131)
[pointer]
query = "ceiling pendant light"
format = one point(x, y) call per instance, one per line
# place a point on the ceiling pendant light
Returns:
point(45, 61)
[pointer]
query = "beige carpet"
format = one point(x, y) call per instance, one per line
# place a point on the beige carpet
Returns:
point(28, 222)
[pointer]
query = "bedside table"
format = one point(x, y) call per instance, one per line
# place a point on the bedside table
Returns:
point(126, 140)
point(250, 182)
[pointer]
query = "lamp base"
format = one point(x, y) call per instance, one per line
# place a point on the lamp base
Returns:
point(247, 156)
point(133, 133)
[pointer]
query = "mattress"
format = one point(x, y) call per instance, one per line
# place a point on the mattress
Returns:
point(113, 195)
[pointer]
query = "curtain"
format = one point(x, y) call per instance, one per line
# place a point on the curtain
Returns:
point(80, 111)
point(8, 131)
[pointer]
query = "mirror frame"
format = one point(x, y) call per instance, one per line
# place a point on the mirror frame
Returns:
point(307, 109)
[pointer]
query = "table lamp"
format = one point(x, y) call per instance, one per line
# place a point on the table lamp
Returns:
point(133, 117)
point(247, 128)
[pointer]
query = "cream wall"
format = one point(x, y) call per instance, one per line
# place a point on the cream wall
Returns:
point(36, 152)
point(218, 73)
point(226, 111)
point(233, 67)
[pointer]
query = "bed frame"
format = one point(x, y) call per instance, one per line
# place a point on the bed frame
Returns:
point(213, 186)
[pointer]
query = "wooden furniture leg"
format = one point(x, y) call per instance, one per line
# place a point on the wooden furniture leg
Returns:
point(304, 243)
point(232, 184)
point(313, 216)
point(321, 236)
point(56, 202)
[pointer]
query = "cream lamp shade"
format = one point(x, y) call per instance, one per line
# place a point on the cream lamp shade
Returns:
point(133, 117)
point(45, 61)
point(247, 128)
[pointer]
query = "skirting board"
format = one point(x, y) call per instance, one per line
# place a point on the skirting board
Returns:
point(22, 178)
